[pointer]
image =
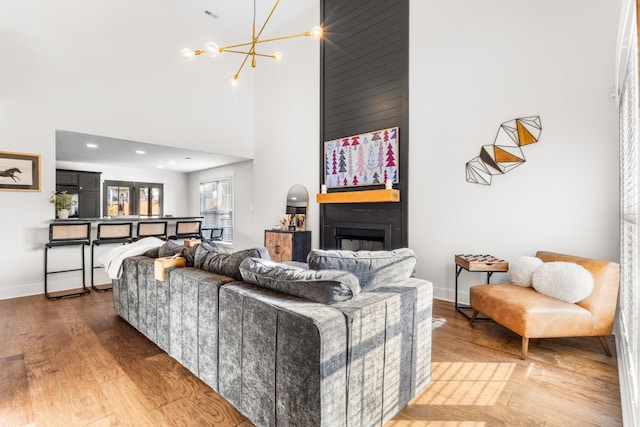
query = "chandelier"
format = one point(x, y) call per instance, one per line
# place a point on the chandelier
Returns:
point(213, 50)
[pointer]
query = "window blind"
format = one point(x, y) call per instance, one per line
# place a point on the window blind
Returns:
point(629, 292)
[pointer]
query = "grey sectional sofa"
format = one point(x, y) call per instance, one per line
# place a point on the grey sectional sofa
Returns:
point(281, 359)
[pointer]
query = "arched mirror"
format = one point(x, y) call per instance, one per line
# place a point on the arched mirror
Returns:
point(297, 205)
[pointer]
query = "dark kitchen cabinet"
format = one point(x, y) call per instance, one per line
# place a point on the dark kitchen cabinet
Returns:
point(85, 187)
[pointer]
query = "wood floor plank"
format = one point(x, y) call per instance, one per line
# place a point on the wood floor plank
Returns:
point(48, 400)
point(213, 408)
point(132, 359)
point(131, 407)
point(86, 402)
point(15, 403)
point(63, 352)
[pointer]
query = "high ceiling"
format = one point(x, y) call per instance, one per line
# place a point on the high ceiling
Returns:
point(235, 16)
point(72, 147)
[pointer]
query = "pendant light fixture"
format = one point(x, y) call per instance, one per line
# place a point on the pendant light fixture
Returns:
point(213, 50)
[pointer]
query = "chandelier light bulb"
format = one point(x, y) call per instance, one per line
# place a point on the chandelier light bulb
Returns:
point(233, 81)
point(317, 32)
point(277, 56)
point(187, 54)
point(212, 49)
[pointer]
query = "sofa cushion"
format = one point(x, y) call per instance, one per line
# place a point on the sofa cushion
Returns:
point(205, 248)
point(323, 286)
point(152, 253)
point(228, 264)
point(170, 249)
point(565, 281)
point(372, 268)
point(521, 270)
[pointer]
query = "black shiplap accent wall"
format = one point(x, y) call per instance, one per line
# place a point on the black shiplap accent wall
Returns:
point(365, 87)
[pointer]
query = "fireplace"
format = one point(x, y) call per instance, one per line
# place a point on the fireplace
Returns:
point(361, 226)
point(354, 238)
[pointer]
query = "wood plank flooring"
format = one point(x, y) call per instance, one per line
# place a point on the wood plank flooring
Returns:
point(74, 362)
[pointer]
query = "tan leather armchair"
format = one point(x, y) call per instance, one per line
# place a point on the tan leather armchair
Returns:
point(531, 314)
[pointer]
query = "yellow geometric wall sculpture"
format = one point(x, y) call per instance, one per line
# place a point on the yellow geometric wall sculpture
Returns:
point(505, 153)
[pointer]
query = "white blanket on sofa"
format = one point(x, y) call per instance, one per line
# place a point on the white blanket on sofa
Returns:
point(112, 260)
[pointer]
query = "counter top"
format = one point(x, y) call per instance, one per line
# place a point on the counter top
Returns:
point(128, 218)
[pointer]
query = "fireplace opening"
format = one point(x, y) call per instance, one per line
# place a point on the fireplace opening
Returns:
point(360, 239)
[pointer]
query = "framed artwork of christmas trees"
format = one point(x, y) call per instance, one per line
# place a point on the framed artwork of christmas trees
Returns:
point(366, 159)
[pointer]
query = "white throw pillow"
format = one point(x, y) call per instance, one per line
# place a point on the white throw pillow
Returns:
point(565, 281)
point(521, 270)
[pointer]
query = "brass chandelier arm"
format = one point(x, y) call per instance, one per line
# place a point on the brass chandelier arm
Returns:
point(244, 61)
point(249, 53)
point(273, 9)
point(233, 46)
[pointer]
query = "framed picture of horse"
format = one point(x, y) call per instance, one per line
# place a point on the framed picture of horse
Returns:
point(19, 171)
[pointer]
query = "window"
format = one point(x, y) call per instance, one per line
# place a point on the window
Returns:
point(629, 309)
point(132, 198)
point(216, 206)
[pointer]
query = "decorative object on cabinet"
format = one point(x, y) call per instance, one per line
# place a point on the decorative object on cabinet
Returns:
point(286, 245)
point(506, 152)
point(366, 159)
point(297, 200)
point(19, 171)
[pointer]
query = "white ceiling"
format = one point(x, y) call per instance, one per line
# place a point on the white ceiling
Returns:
point(72, 147)
point(235, 16)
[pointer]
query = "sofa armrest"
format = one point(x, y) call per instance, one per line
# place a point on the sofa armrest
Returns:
point(281, 355)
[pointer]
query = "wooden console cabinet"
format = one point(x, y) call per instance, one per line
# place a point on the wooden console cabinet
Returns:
point(287, 245)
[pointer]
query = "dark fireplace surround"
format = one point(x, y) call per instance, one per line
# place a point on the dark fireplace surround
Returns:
point(364, 76)
point(361, 226)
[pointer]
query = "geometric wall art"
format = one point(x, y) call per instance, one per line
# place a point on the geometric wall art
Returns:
point(366, 159)
point(505, 154)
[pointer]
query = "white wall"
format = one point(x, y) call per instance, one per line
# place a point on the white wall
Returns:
point(287, 127)
point(476, 64)
point(104, 68)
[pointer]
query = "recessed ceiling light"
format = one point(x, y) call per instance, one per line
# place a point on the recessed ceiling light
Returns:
point(188, 158)
point(172, 163)
point(160, 166)
point(90, 145)
point(139, 152)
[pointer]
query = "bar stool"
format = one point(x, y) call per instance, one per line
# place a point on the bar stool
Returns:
point(187, 230)
point(110, 233)
point(215, 233)
point(151, 229)
point(68, 234)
